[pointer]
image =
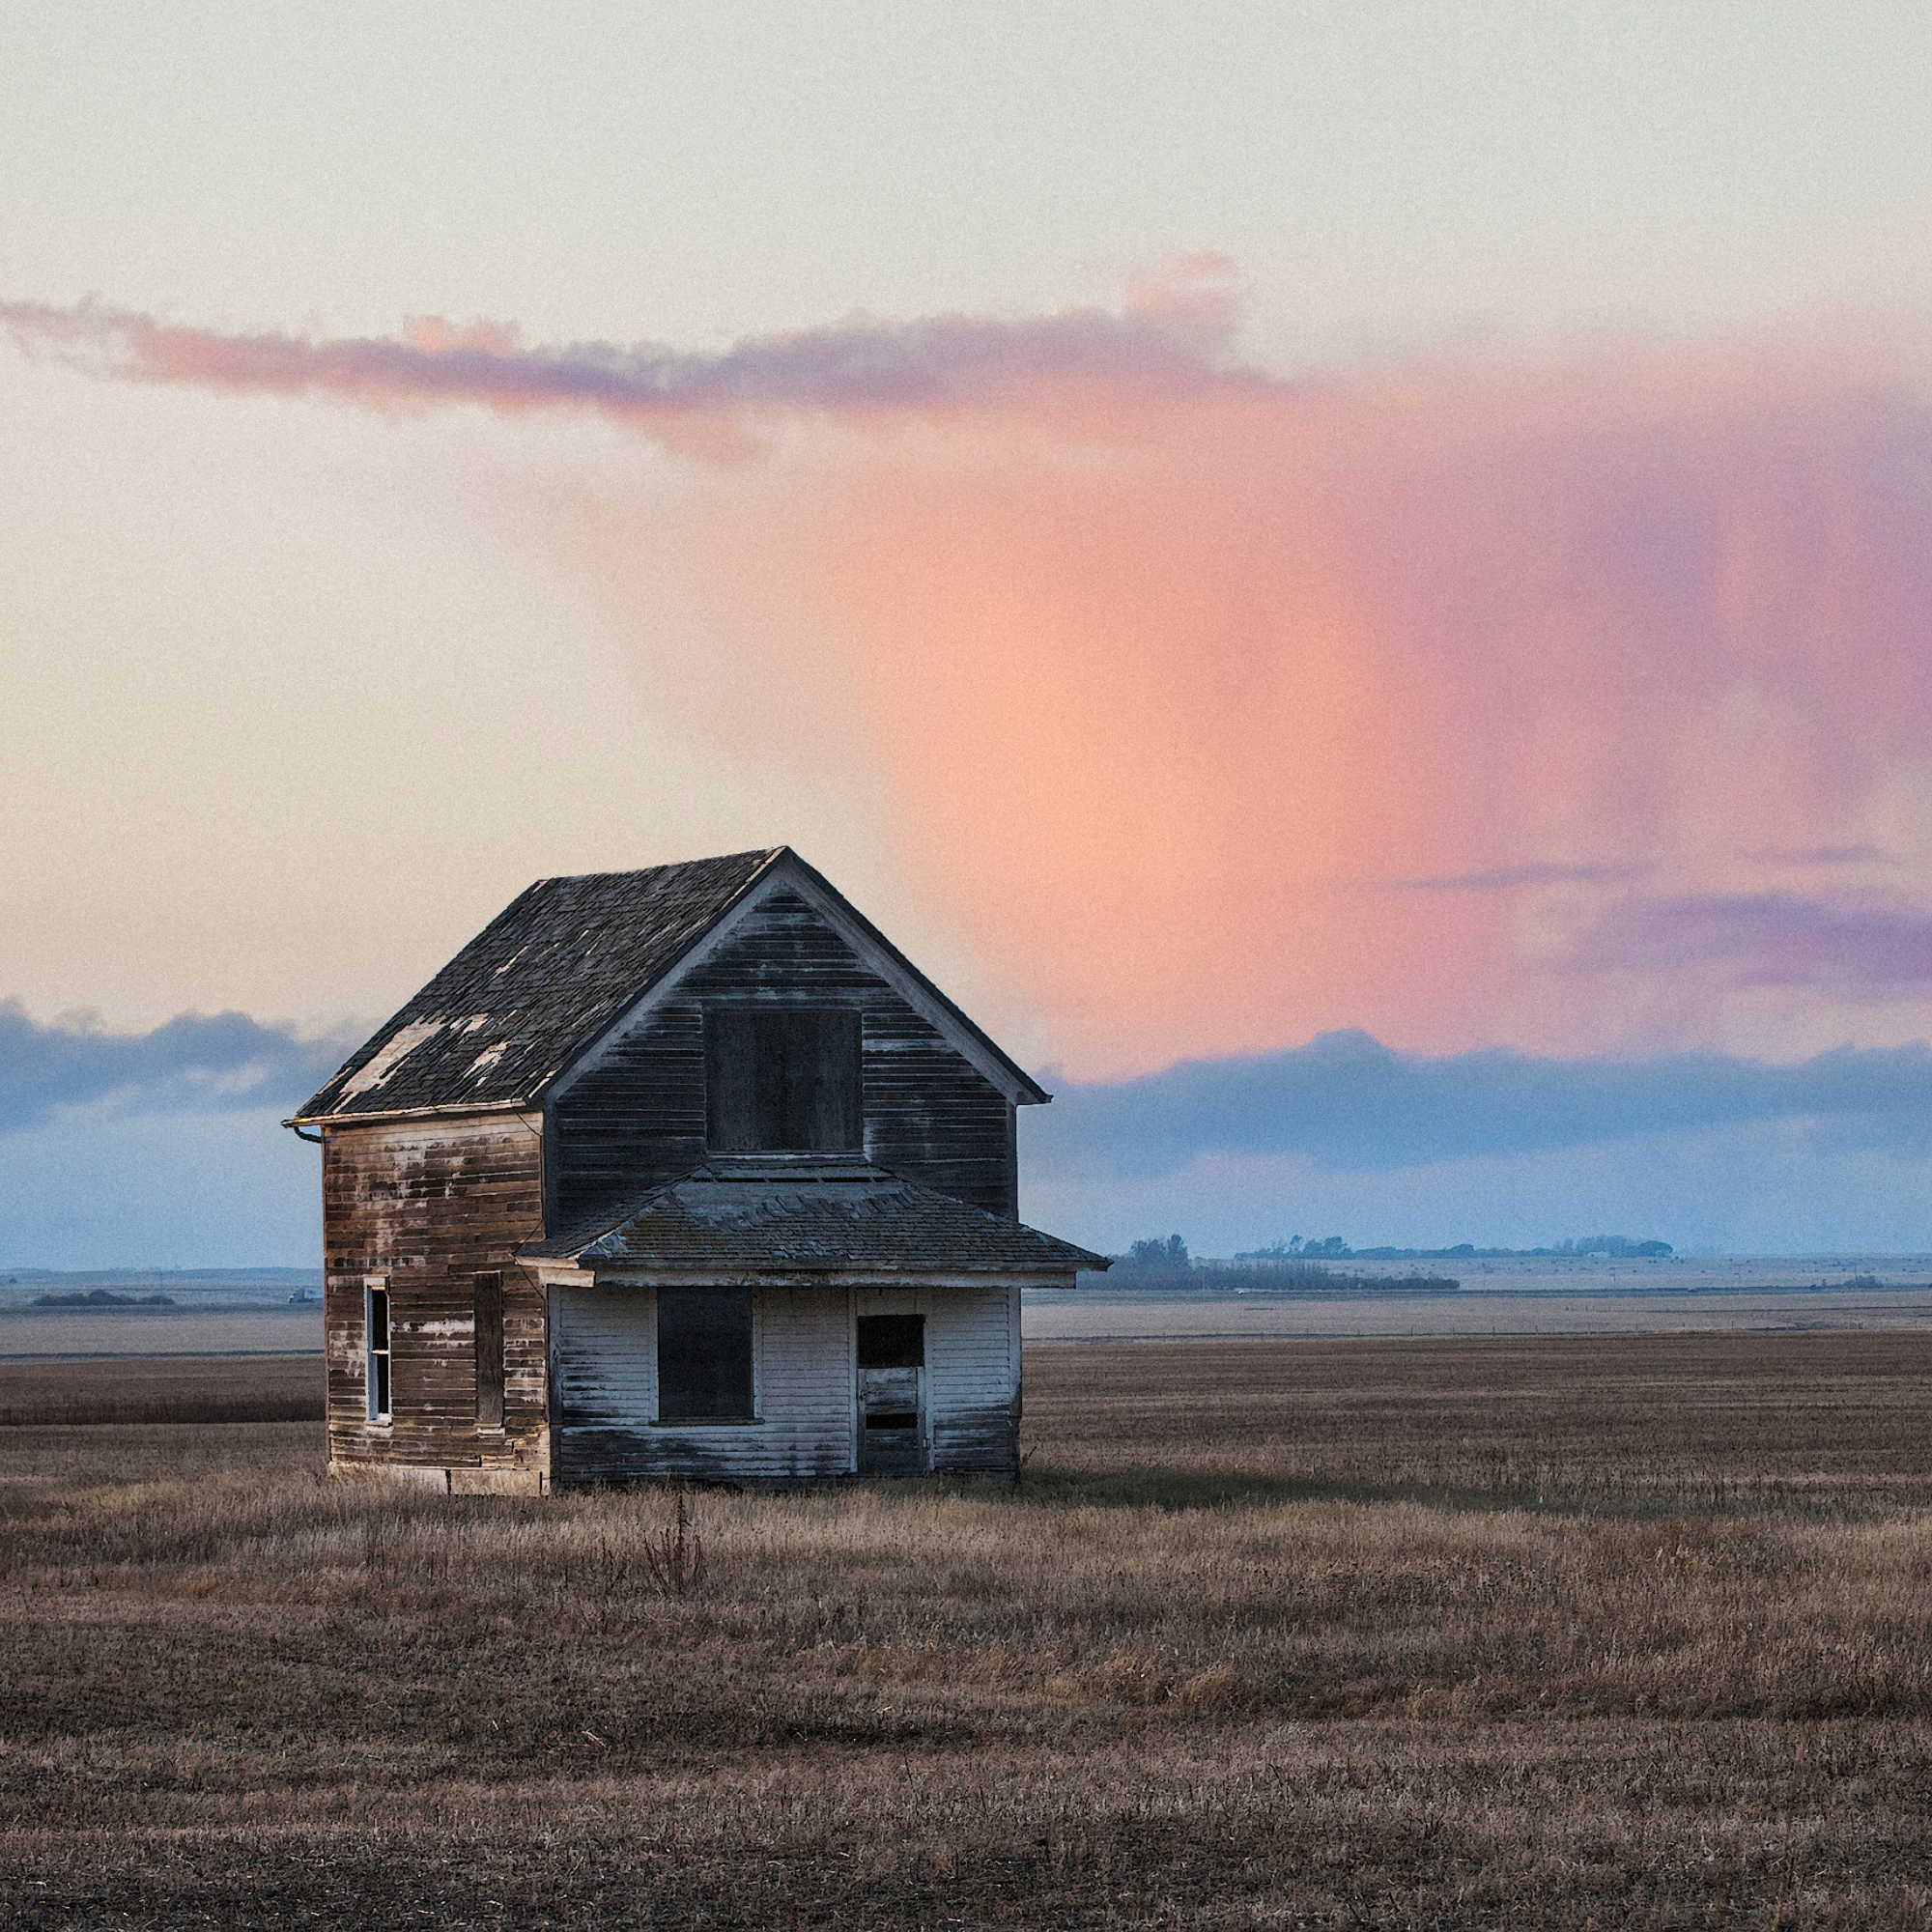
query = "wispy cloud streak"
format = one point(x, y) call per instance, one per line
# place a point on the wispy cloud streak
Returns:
point(1514, 878)
point(1175, 337)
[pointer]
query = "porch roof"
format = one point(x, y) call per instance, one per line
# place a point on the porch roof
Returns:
point(757, 1212)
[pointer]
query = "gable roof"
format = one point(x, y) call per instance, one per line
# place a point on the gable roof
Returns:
point(761, 1214)
point(556, 970)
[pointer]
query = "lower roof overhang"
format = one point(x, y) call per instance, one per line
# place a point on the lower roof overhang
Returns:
point(839, 1222)
point(569, 1274)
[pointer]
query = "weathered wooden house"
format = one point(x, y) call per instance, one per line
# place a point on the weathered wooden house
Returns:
point(685, 1173)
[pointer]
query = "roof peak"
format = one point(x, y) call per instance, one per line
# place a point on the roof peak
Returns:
point(766, 855)
point(565, 964)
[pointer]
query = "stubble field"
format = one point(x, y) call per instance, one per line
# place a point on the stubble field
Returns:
point(1631, 1631)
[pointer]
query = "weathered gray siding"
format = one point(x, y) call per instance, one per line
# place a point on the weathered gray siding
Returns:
point(973, 1370)
point(604, 1365)
point(636, 1119)
point(603, 1357)
point(425, 1206)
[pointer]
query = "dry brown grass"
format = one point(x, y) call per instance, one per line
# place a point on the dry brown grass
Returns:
point(1790, 1420)
point(1624, 1631)
point(189, 1388)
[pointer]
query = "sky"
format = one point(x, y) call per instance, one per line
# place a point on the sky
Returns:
point(1353, 581)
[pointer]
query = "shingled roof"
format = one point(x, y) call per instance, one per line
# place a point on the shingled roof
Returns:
point(755, 1214)
point(536, 988)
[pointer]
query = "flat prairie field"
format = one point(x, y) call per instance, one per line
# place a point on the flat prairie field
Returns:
point(1559, 1631)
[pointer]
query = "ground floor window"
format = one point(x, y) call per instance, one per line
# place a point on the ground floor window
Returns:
point(487, 1289)
point(704, 1355)
point(376, 1343)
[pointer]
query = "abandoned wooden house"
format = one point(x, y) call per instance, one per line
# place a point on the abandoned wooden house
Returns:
point(678, 1174)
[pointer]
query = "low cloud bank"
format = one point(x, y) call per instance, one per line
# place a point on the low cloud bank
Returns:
point(195, 1062)
point(1346, 1101)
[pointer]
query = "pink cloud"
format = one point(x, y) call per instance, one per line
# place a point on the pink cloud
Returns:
point(1171, 667)
point(1166, 699)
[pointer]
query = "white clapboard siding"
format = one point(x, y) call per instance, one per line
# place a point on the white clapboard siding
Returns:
point(604, 1358)
point(972, 1369)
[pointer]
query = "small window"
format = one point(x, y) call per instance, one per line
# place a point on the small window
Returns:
point(782, 1080)
point(704, 1354)
point(891, 1341)
point(376, 1343)
point(488, 1289)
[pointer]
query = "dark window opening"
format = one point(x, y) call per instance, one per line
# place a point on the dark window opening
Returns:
point(376, 1343)
point(488, 1287)
point(892, 1353)
point(704, 1354)
point(891, 1341)
point(782, 1080)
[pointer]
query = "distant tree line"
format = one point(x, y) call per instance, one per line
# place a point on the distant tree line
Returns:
point(1335, 1249)
point(1162, 1265)
point(102, 1297)
point(1296, 1249)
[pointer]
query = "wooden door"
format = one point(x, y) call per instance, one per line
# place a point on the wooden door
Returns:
point(893, 1431)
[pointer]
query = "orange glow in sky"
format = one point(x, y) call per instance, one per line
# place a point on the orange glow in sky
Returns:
point(1217, 721)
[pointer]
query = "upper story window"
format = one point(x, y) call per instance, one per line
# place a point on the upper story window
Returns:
point(782, 1080)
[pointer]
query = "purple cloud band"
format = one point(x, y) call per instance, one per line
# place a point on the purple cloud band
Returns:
point(1767, 938)
point(857, 365)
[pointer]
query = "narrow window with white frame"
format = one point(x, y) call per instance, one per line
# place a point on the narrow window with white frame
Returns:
point(375, 1348)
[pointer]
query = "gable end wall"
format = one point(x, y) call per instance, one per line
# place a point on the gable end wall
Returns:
point(636, 1119)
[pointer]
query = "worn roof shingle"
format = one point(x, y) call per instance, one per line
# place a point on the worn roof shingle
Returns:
point(535, 988)
point(751, 1213)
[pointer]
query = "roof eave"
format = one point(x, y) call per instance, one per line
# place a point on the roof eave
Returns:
point(447, 1110)
point(793, 1275)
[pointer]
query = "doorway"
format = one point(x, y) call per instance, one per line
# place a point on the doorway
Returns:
point(891, 1395)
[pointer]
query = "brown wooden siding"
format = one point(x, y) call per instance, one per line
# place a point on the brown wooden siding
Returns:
point(428, 1204)
point(636, 1119)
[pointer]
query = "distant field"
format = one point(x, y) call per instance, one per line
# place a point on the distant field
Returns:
point(1631, 1630)
point(1525, 1303)
point(33, 1333)
point(1516, 1300)
point(1525, 1295)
